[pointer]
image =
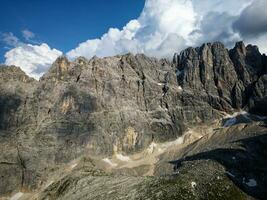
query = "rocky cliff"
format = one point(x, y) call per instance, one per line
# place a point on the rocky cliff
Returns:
point(119, 105)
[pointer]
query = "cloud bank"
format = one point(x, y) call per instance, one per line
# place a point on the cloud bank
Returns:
point(34, 60)
point(163, 28)
point(168, 26)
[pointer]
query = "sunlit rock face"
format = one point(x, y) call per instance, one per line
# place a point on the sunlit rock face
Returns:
point(119, 106)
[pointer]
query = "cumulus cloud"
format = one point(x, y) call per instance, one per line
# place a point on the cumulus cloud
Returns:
point(253, 20)
point(168, 26)
point(162, 28)
point(27, 34)
point(33, 59)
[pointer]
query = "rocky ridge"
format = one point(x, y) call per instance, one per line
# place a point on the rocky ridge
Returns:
point(119, 106)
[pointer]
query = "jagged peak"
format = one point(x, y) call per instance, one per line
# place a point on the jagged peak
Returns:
point(81, 60)
point(239, 47)
point(253, 49)
point(61, 59)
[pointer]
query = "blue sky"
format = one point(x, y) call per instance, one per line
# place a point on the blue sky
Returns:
point(63, 24)
point(33, 33)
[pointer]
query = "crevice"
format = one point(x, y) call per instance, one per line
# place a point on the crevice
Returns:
point(23, 167)
point(96, 89)
point(7, 163)
point(144, 91)
point(165, 89)
point(78, 78)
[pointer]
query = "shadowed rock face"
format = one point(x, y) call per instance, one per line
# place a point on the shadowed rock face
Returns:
point(15, 88)
point(118, 104)
point(225, 79)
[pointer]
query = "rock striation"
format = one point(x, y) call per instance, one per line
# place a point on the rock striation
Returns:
point(225, 79)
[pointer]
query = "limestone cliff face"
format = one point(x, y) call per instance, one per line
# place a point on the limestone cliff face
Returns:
point(225, 79)
point(118, 104)
point(100, 100)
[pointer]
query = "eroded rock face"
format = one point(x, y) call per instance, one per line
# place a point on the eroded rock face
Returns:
point(120, 104)
point(102, 99)
point(225, 79)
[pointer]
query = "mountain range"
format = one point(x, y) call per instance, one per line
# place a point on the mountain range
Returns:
point(136, 127)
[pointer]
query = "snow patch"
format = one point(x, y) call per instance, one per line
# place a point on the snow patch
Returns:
point(108, 161)
point(17, 196)
point(230, 174)
point(241, 112)
point(160, 84)
point(123, 158)
point(232, 118)
point(261, 117)
point(251, 183)
point(230, 122)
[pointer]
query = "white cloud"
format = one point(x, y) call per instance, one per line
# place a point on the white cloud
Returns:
point(33, 59)
point(27, 34)
point(168, 26)
point(162, 28)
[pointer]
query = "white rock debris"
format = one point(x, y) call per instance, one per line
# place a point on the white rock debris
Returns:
point(108, 161)
point(151, 148)
point(123, 158)
point(74, 165)
point(49, 183)
point(17, 196)
point(193, 184)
